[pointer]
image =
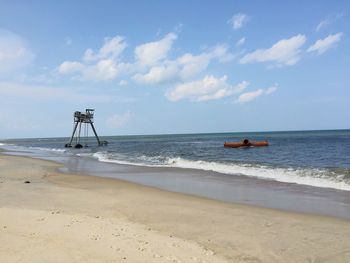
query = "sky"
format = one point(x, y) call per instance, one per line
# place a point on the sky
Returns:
point(165, 67)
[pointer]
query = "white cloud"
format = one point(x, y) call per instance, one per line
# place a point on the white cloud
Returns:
point(271, 89)
point(221, 53)
point(192, 64)
point(284, 52)
point(118, 120)
point(105, 64)
point(184, 67)
point(322, 45)
point(158, 74)
point(221, 93)
point(151, 64)
point(208, 88)
point(14, 53)
point(101, 65)
point(238, 20)
point(68, 67)
point(105, 69)
point(323, 24)
point(111, 49)
point(152, 52)
point(240, 42)
point(241, 86)
point(250, 96)
point(328, 21)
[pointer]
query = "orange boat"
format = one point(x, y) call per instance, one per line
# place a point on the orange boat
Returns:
point(246, 143)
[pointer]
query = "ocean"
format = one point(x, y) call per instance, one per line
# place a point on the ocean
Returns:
point(312, 158)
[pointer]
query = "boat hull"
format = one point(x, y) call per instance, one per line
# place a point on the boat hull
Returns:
point(246, 144)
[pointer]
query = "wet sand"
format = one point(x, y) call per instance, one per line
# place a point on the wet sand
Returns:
point(228, 188)
point(76, 218)
point(233, 188)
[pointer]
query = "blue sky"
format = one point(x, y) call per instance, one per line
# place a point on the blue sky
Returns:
point(154, 67)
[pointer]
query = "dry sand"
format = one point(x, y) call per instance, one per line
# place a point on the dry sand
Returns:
point(75, 218)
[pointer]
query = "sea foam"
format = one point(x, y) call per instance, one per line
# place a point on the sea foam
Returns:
point(312, 177)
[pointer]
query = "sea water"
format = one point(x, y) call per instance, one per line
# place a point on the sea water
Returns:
point(312, 158)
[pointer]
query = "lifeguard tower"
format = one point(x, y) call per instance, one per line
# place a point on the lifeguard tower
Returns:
point(85, 119)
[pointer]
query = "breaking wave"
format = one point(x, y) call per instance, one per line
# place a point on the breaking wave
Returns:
point(326, 178)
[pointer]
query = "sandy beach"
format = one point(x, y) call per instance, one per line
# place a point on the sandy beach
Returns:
point(75, 218)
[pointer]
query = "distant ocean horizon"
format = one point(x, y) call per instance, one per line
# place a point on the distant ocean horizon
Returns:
point(180, 133)
point(319, 158)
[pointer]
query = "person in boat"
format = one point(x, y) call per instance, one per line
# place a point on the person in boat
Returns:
point(246, 142)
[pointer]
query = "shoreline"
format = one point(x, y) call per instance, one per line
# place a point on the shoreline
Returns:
point(85, 211)
point(237, 189)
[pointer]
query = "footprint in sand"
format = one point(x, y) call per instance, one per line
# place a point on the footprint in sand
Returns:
point(175, 244)
point(55, 212)
point(95, 237)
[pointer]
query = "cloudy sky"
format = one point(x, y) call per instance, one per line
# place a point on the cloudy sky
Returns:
point(154, 67)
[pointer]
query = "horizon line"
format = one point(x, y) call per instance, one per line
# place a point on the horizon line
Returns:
point(190, 133)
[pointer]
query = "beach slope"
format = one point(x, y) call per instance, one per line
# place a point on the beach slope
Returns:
point(76, 218)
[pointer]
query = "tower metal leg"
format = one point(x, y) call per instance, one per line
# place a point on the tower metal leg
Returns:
point(98, 139)
point(78, 137)
point(78, 145)
point(69, 144)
